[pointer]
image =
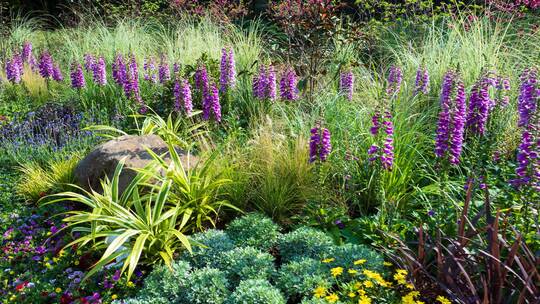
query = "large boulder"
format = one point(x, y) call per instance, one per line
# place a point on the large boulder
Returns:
point(102, 161)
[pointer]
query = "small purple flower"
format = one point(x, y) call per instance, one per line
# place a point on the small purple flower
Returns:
point(214, 101)
point(326, 146)
point(27, 51)
point(89, 62)
point(116, 276)
point(422, 81)
point(314, 143)
point(339, 224)
point(227, 77)
point(164, 70)
point(288, 85)
point(149, 67)
point(57, 73)
point(346, 84)
point(13, 71)
point(395, 78)
point(119, 70)
point(77, 76)
point(46, 68)
point(100, 72)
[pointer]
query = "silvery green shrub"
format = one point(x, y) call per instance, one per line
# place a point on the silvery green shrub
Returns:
point(256, 292)
point(244, 263)
point(212, 244)
point(304, 242)
point(206, 286)
point(299, 278)
point(255, 230)
point(346, 254)
point(167, 284)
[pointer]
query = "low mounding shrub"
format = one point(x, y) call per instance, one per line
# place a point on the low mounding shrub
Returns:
point(347, 254)
point(245, 263)
point(166, 284)
point(256, 292)
point(144, 300)
point(304, 242)
point(206, 286)
point(298, 278)
point(255, 230)
point(207, 247)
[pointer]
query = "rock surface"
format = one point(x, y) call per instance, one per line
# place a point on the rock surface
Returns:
point(102, 161)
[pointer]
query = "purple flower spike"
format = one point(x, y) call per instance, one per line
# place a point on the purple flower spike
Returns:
point(288, 83)
point(57, 73)
point(214, 101)
point(201, 79)
point(119, 70)
point(27, 52)
point(149, 67)
point(326, 146)
point(314, 143)
point(164, 70)
point(100, 72)
point(46, 65)
point(346, 84)
point(395, 78)
point(227, 77)
point(422, 81)
point(77, 76)
point(13, 71)
point(320, 144)
point(89, 62)
point(387, 157)
point(182, 96)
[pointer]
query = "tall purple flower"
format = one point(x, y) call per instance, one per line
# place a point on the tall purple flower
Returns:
point(387, 157)
point(100, 72)
point(451, 124)
point(201, 79)
point(314, 144)
point(395, 78)
point(271, 83)
point(479, 106)
point(211, 104)
point(149, 67)
point(131, 82)
point(57, 73)
point(45, 65)
point(176, 68)
point(326, 146)
point(376, 123)
point(528, 155)
point(119, 70)
point(422, 81)
point(89, 62)
point(182, 96)
point(13, 71)
point(227, 77)
point(259, 83)
point(77, 76)
point(164, 70)
point(27, 51)
point(346, 84)
point(288, 83)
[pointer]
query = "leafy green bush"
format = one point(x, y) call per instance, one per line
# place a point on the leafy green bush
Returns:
point(245, 263)
point(256, 292)
point(347, 254)
point(166, 284)
point(206, 286)
point(299, 278)
point(207, 247)
point(255, 230)
point(304, 242)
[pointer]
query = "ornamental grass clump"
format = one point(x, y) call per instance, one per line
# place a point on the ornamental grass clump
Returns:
point(255, 230)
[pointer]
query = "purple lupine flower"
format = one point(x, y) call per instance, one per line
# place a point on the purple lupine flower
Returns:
point(13, 71)
point(119, 70)
point(314, 143)
point(227, 76)
point(326, 146)
point(259, 83)
point(395, 77)
point(271, 83)
point(288, 82)
point(387, 157)
point(131, 82)
point(213, 97)
point(177, 93)
point(443, 125)
point(100, 72)
point(164, 70)
point(346, 84)
point(528, 155)
point(27, 51)
point(422, 81)
point(33, 64)
point(89, 62)
point(176, 68)
point(201, 79)
point(57, 73)
point(77, 76)
point(479, 106)
point(186, 96)
point(458, 122)
point(45, 65)
point(503, 86)
point(149, 67)
point(17, 59)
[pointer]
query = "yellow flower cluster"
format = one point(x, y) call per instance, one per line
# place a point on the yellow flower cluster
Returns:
point(337, 271)
point(410, 298)
point(375, 276)
point(400, 276)
point(443, 300)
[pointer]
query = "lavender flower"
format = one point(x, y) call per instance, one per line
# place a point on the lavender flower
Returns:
point(314, 143)
point(149, 67)
point(422, 81)
point(45, 65)
point(57, 73)
point(326, 146)
point(164, 71)
point(27, 51)
point(395, 78)
point(288, 82)
point(346, 84)
point(89, 62)
point(100, 72)
point(13, 72)
point(131, 82)
point(77, 76)
point(227, 78)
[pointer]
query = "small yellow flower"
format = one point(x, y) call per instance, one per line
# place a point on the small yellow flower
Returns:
point(76, 263)
point(319, 292)
point(130, 284)
point(368, 284)
point(12, 272)
point(114, 297)
point(336, 271)
point(352, 271)
point(357, 285)
point(55, 260)
point(13, 298)
point(361, 292)
point(387, 264)
point(443, 300)
point(364, 300)
point(58, 290)
point(332, 298)
point(45, 259)
point(409, 298)
point(49, 233)
point(329, 260)
point(410, 286)
point(359, 262)
point(352, 294)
